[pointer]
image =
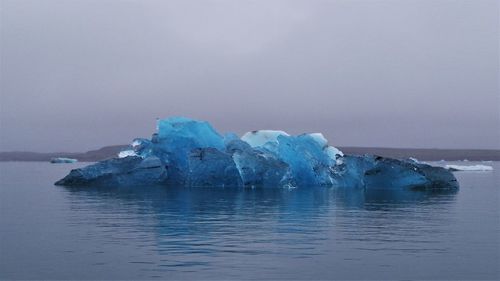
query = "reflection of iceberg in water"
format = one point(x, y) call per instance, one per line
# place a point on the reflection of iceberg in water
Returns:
point(197, 227)
point(185, 201)
point(392, 198)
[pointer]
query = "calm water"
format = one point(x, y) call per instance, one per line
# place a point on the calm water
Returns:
point(51, 232)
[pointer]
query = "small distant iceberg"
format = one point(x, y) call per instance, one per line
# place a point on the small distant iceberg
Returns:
point(61, 160)
point(469, 168)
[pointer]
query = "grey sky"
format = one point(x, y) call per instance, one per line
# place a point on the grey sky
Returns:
point(77, 75)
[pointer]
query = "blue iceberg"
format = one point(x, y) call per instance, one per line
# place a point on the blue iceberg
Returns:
point(187, 152)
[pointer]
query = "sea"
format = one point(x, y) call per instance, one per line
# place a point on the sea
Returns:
point(55, 232)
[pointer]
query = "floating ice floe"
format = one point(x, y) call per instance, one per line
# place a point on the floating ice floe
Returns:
point(187, 152)
point(469, 168)
point(61, 160)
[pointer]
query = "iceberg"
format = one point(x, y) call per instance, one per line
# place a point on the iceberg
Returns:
point(469, 168)
point(60, 160)
point(188, 152)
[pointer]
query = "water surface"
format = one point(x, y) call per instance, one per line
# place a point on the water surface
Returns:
point(53, 232)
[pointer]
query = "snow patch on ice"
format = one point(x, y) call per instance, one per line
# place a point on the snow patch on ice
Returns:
point(126, 153)
point(136, 143)
point(261, 137)
point(333, 152)
point(319, 138)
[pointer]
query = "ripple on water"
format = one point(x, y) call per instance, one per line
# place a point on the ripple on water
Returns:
point(188, 233)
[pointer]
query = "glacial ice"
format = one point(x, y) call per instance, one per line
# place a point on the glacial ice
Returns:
point(261, 137)
point(60, 160)
point(126, 153)
point(469, 168)
point(188, 152)
point(132, 170)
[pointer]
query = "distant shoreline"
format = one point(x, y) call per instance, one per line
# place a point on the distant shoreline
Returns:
point(399, 153)
point(428, 154)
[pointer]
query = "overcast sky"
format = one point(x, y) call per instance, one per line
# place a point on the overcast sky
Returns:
point(81, 74)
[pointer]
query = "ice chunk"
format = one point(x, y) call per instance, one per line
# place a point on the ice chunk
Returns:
point(270, 138)
point(211, 167)
point(142, 147)
point(187, 152)
point(199, 133)
point(351, 172)
point(375, 172)
point(319, 138)
point(333, 152)
point(126, 153)
point(309, 163)
point(261, 137)
point(229, 137)
point(304, 159)
point(257, 168)
point(175, 139)
point(60, 160)
point(414, 160)
point(469, 168)
point(127, 171)
point(390, 173)
point(136, 143)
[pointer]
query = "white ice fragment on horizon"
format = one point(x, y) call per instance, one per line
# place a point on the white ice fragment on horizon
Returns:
point(261, 137)
point(126, 153)
point(469, 168)
point(60, 160)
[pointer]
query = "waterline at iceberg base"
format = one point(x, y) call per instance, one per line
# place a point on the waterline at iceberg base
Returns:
point(187, 152)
